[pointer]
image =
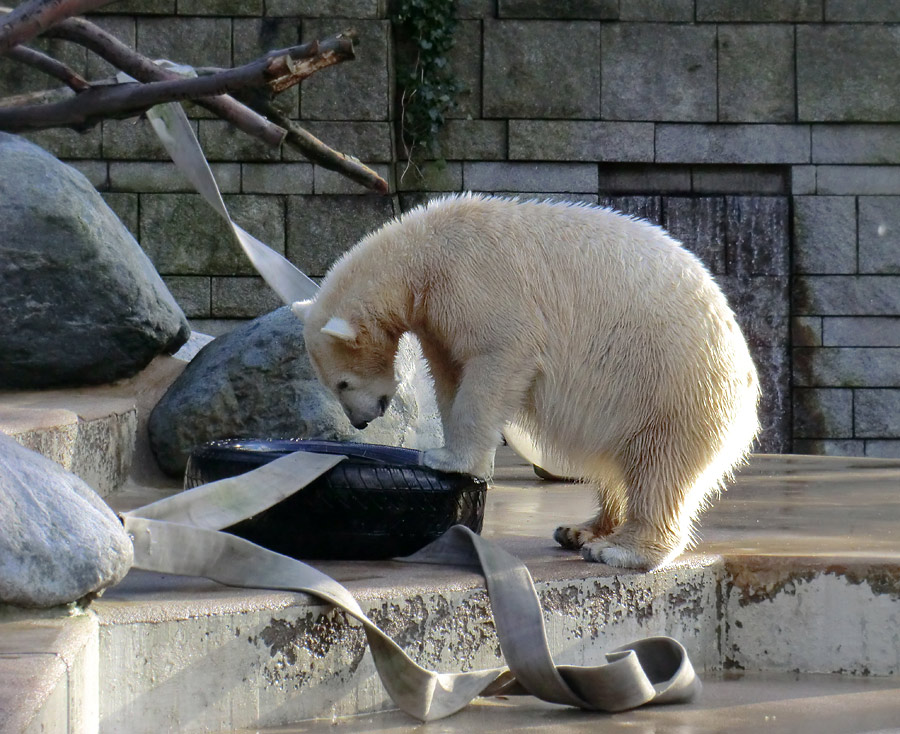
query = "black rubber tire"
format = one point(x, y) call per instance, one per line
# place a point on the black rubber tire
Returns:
point(378, 503)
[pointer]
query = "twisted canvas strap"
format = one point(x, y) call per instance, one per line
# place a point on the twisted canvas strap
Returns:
point(179, 535)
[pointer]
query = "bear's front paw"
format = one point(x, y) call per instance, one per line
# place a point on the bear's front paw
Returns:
point(573, 537)
point(443, 459)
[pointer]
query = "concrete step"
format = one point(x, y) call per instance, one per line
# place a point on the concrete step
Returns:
point(97, 433)
point(731, 703)
point(798, 570)
point(49, 673)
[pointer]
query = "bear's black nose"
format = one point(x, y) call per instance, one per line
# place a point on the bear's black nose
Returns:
point(361, 424)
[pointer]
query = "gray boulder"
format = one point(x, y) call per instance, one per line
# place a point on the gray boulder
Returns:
point(59, 540)
point(81, 302)
point(256, 381)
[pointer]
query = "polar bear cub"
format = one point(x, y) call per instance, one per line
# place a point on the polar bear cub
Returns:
point(591, 337)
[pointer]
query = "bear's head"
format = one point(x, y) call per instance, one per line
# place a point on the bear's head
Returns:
point(351, 357)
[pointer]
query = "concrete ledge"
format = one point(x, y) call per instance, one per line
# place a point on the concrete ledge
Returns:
point(49, 669)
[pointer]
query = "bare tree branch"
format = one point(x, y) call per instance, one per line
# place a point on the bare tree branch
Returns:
point(33, 17)
point(313, 148)
point(126, 100)
point(50, 66)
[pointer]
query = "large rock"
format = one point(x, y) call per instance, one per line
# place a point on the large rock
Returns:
point(59, 541)
point(256, 381)
point(81, 302)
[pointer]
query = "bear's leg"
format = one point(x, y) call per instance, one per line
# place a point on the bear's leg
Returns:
point(657, 515)
point(490, 393)
point(445, 376)
point(611, 500)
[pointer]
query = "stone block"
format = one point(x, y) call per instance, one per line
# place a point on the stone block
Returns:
point(876, 413)
point(327, 8)
point(846, 367)
point(199, 41)
point(882, 449)
point(822, 413)
point(216, 327)
point(465, 63)
point(879, 234)
point(765, 11)
point(858, 180)
point(806, 331)
point(656, 72)
point(332, 182)
point(223, 142)
point(183, 236)
point(552, 178)
point(759, 144)
point(803, 180)
point(475, 8)
point(125, 207)
point(824, 234)
point(254, 37)
point(242, 298)
point(830, 448)
point(124, 28)
point(637, 178)
point(359, 90)
point(671, 11)
point(861, 331)
point(870, 11)
point(321, 228)
point(847, 295)
point(521, 69)
point(227, 8)
point(97, 172)
point(193, 293)
point(855, 144)
point(648, 208)
point(761, 307)
point(742, 180)
point(757, 236)
point(68, 144)
point(144, 176)
point(370, 142)
point(699, 223)
point(848, 73)
point(473, 140)
point(773, 370)
point(139, 7)
point(581, 140)
point(133, 139)
point(432, 177)
point(756, 73)
point(276, 178)
point(559, 10)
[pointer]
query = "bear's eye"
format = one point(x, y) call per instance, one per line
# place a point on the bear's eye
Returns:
point(342, 385)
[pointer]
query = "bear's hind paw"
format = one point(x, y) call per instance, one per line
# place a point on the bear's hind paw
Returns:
point(615, 555)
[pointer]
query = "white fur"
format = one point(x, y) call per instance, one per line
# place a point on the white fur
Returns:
point(606, 347)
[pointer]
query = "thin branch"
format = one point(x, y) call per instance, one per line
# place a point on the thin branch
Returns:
point(144, 70)
point(33, 17)
point(50, 66)
point(129, 99)
point(313, 148)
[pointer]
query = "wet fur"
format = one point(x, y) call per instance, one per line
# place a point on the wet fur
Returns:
point(594, 336)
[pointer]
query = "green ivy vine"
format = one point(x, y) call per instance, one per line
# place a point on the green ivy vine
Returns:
point(427, 88)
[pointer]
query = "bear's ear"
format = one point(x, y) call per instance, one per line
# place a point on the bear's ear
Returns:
point(340, 329)
point(301, 308)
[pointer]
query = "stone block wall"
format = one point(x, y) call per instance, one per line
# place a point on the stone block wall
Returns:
point(764, 133)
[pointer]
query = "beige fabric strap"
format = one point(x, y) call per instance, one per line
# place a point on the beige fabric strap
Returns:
point(179, 535)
